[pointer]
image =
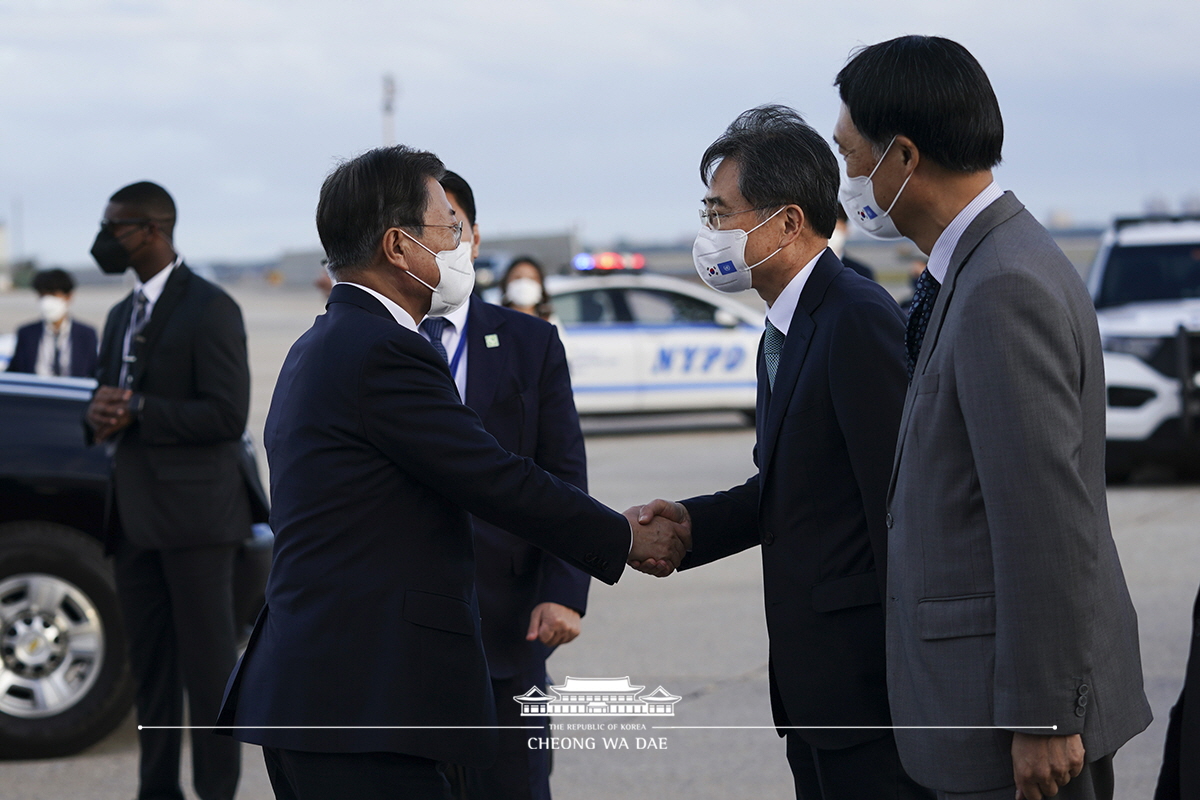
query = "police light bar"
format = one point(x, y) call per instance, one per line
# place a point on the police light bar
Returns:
point(608, 262)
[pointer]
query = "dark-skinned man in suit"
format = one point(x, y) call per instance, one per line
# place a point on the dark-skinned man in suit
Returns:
point(511, 369)
point(172, 402)
point(366, 666)
point(830, 388)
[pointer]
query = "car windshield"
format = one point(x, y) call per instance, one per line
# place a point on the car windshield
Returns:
point(1150, 272)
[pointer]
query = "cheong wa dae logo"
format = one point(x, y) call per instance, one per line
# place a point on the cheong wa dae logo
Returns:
point(597, 697)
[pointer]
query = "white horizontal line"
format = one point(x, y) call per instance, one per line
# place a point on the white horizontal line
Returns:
point(339, 727)
point(852, 727)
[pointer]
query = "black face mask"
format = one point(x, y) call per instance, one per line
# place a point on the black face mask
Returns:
point(110, 254)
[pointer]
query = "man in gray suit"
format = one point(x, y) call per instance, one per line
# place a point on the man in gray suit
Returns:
point(1006, 602)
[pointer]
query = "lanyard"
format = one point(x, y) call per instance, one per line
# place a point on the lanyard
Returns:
point(458, 351)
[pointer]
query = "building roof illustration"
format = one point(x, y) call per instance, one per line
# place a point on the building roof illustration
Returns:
point(660, 695)
point(534, 695)
point(597, 686)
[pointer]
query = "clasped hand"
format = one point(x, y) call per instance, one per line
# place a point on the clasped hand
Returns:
point(662, 536)
point(108, 412)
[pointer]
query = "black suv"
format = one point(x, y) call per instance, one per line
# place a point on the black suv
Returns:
point(64, 680)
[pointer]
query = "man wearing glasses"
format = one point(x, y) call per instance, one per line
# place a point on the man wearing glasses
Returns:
point(172, 401)
point(830, 391)
point(366, 667)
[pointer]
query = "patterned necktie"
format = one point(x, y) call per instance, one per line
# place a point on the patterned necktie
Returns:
point(772, 347)
point(918, 318)
point(433, 327)
point(136, 323)
point(58, 346)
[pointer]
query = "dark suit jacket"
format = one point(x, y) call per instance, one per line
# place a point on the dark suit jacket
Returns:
point(83, 349)
point(371, 615)
point(825, 441)
point(177, 473)
point(521, 390)
point(1179, 778)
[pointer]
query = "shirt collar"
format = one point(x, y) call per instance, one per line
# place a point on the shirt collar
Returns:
point(393, 308)
point(458, 317)
point(943, 248)
point(784, 308)
point(153, 288)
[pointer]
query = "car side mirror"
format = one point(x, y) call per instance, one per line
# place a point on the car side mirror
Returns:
point(726, 319)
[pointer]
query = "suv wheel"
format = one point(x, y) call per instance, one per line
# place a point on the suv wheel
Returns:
point(64, 680)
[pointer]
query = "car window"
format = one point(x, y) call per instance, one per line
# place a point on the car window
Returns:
point(1153, 272)
point(592, 307)
point(657, 307)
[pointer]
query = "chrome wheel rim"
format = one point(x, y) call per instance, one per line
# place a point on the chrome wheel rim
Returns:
point(51, 645)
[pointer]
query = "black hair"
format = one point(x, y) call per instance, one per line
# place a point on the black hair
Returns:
point(151, 200)
point(931, 90)
point(454, 184)
point(53, 281)
point(363, 197)
point(782, 161)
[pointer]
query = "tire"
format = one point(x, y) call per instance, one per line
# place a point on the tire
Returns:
point(64, 674)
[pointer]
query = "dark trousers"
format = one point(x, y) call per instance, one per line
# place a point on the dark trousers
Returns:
point(868, 770)
point(297, 775)
point(1095, 782)
point(178, 612)
point(520, 773)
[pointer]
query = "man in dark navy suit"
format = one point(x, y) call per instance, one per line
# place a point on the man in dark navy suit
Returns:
point(366, 666)
point(58, 344)
point(511, 370)
point(171, 404)
point(831, 384)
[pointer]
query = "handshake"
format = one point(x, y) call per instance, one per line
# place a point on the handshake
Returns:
point(662, 536)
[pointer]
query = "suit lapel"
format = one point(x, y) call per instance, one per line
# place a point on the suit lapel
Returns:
point(1000, 211)
point(172, 295)
point(795, 350)
point(485, 364)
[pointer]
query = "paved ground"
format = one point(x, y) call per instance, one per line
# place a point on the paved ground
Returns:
point(701, 634)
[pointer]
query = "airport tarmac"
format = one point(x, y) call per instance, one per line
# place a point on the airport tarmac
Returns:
point(700, 635)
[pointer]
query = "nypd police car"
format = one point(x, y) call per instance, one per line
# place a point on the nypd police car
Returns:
point(1145, 283)
point(640, 343)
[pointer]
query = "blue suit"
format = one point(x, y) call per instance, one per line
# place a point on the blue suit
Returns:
point(83, 349)
point(521, 390)
point(371, 616)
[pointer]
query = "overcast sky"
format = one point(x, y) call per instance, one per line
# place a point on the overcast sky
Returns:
point(560, 114)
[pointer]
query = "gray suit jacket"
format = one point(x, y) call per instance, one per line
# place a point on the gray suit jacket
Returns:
point(1006, 605)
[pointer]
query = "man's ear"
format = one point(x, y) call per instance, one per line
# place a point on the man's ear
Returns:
point(474, 242)
point(794, 221)
point(394, 248)
point(910, 154)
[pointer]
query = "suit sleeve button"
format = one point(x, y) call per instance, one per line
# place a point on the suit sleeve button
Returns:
point(768, 538)
point(1080, 711)
point(1082, 701)
point(890, 521)
point(1084, 689)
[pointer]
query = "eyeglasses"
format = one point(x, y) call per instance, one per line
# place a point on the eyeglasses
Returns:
point(456, 227)
point(109, 224)
point(712, 220)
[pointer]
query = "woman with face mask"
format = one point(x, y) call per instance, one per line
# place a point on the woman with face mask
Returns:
point(524, 287)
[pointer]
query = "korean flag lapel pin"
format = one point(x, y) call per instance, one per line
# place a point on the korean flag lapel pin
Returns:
point(491, 340)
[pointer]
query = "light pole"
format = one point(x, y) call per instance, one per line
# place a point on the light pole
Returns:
point(389, 117)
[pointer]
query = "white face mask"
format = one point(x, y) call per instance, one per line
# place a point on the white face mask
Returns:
point(456, 278)
point(858, 198)
point(523, 292)
point(53, 307)
point(720, 257)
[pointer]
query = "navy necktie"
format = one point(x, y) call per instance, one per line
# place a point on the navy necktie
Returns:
point(136, 323)
point(918, 318)
point(433, 327)
point(772, 347)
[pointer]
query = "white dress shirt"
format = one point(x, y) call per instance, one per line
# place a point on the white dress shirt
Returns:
point(943, 248)
point(53, 340)
point(784, 308)
point(402, 316)
point(456, 322)
point(153, 290)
